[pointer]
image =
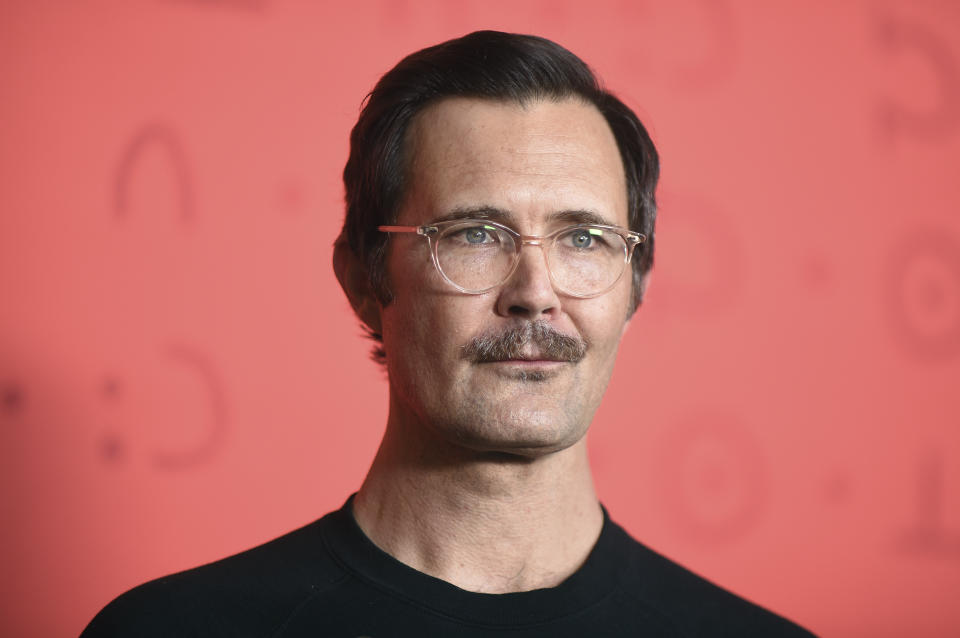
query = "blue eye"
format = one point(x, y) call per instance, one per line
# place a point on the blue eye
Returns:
point(581, 239)
point(476, 235)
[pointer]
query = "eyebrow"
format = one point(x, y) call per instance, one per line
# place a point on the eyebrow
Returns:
point(575, 216)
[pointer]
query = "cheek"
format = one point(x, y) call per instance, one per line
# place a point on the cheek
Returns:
point(423, 335)
point(425, 326)
point(603, 324)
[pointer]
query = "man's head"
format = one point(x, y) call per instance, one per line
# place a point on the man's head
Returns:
point(513, 129)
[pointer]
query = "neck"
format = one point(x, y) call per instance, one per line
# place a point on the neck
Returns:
point(485, 522)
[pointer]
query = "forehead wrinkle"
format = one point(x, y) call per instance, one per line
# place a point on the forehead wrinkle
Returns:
point(467, 159)
point(449, 150)
point(506, 217)
point(555, 170)
point(586, 207)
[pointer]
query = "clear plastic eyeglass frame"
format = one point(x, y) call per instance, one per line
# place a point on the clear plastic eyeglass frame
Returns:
point(432, 232)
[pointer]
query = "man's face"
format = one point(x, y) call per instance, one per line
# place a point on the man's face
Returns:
point(536, 164)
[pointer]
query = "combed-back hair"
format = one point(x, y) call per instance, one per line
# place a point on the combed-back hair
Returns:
point(487, 65)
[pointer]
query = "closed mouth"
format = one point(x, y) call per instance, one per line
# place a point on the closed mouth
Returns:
point(527, 361)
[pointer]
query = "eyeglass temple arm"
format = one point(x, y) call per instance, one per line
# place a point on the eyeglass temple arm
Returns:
point(420, 230)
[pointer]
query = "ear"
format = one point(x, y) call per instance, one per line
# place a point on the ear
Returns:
point(352, 275)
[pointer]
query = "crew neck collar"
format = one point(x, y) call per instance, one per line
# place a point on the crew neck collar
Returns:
point(596, 579)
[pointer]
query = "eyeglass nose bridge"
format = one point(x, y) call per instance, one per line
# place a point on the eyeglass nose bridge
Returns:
point(531, 240)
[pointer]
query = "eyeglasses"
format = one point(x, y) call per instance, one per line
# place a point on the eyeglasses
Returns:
point(477, 255)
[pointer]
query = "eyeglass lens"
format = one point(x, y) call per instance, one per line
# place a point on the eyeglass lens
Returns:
point(582, 260)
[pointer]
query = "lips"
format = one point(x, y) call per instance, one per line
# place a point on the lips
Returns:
point(533, 356)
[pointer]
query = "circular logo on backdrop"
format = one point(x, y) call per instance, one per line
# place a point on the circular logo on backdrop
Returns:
point(713, 478)
point(923, 293)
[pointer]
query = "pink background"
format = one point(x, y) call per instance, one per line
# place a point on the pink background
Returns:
point(181, 378)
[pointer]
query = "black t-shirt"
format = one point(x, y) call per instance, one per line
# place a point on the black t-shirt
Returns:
point(329, 579)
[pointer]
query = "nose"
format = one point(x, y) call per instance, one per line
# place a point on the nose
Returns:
point(528, 293)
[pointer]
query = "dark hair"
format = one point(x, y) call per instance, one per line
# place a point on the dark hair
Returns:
point(488, 65)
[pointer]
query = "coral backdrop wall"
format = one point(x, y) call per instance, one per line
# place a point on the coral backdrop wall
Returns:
point(181, 377)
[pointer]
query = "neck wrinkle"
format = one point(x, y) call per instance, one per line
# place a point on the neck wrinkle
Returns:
point(485, 522)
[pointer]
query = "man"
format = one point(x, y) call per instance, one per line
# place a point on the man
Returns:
point(498, 236)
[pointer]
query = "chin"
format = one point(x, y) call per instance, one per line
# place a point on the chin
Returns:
point(524, 435)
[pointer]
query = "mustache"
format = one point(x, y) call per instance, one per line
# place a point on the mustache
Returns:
point(510, 344)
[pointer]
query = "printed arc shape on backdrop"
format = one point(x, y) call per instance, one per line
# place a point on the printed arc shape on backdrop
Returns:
point(898, 37)
point(204, 371)
point(113, 446)
point(713, 478)
point(165, 138)
point(928, 533)
point(922, 281)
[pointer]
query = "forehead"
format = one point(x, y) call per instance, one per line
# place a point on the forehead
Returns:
point(533, 161)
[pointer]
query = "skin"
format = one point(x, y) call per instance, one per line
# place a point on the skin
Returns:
point(482, 477)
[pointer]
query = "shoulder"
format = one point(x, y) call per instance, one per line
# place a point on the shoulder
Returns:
point(691, 603)
point(250, 593)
